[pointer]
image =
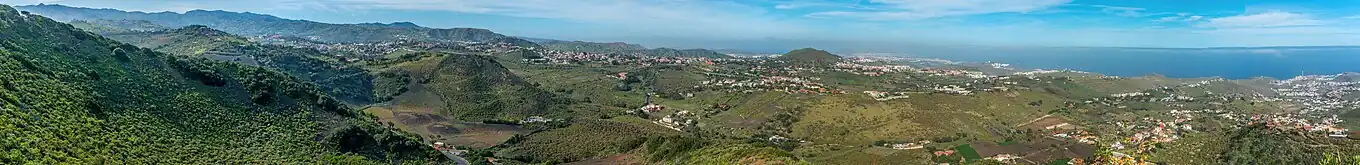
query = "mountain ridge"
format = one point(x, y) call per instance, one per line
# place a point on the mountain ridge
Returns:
point(253, 24)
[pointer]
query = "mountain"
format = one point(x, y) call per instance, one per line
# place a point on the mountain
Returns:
point(628, 49)
point(72, 97)
point(350, 84)
point(252, 24)
point(809, 55)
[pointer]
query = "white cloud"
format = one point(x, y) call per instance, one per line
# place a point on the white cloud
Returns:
point(1193, 18)
point(1180, 17)
point(1263, 20)
point(1121, 11)
point(924, 9)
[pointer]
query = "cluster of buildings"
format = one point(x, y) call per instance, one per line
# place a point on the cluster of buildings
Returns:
point(955, 72)
point(885, 96)
point(1291, 122)
point(536, 119)
point(1037, 72)
point(652, 108)
point(1202, 83)
point(1149, 131)
point(952, 89)
point(574, 57)
point(677, 120)
point(768, 83)
point(908, 146)
point(1130, 94)
point(869, 70)
point(1318, 95)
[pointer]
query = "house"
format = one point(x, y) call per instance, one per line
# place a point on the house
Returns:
point(649, 108)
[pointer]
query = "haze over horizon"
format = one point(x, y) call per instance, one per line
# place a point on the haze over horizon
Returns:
point(873, 25)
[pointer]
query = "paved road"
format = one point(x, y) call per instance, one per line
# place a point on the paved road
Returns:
point(456, 159)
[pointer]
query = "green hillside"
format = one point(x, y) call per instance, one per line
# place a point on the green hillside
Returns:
point(809, 55)
point(469, 88)
point(351, 84)
point(72, 97)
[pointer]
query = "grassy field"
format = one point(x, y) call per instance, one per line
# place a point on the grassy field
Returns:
point(968, 152)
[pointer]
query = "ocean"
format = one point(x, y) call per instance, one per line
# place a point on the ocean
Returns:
point(1232, 63)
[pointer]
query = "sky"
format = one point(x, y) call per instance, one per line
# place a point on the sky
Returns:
point(847, 24)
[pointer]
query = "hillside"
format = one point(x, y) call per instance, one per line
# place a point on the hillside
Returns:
point(628, 49)
point(251, 24)
point(467, 88)
point(809, 55)
point(351, 84)
point(1250, 144)
point(72, 97)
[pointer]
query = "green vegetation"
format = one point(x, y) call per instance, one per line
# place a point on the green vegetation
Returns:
point(351, 84)
point(584, 139)
point(739, 154)
point(968, 152)
point(1258, 144)
point(70, 96)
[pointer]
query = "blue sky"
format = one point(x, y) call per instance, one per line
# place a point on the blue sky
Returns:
point(865, 24)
